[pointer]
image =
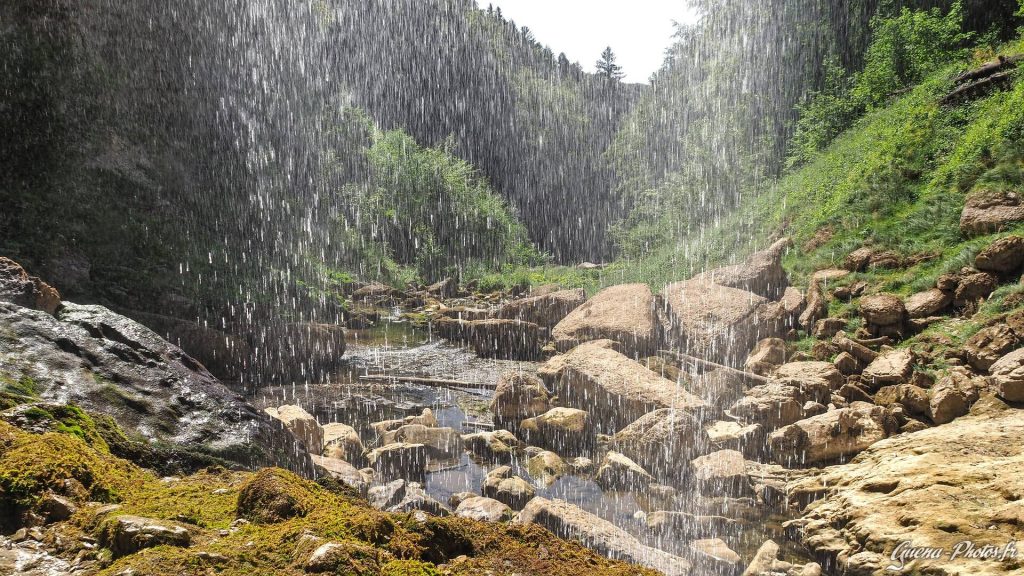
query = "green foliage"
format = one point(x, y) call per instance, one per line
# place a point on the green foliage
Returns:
point(428, 211)
point(826, 113)
point(907, 47)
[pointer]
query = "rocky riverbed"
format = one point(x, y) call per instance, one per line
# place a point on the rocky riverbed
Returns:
point(730, 423)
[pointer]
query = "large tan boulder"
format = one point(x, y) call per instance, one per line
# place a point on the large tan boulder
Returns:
point(440, 443)
point(559, 429)
point(505, 339)
point(493, 445)
point(483, 509)
point(767, 355)
point(1008, 373)
point(398, 461)
point(18, 287)
point(302, 425)
point(717, 323)
point(987, 211)
point(619, 472)
point(663, 441)
point(927, 303)
point(1003, 256)
point(572, 522)
point(810, 375)
point(832, 435)
point(502, 485)
point(341, 441)
point(545, 310)
point(935, 488)
point(344, 472)
point(625, 313)
point(974, 287)
point(883, 310)
point(519, 395)
point(615, 389)
point(762, 273)
point(890, 368)
point(724, 471)
point(777, 404)
point(990, 344)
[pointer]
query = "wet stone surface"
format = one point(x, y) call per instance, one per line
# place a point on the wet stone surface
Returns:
point(399, 349)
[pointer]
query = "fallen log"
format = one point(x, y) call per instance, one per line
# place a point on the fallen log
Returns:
point(971, 89)
point(989, 68)
point(749, 377)
point(436, 382)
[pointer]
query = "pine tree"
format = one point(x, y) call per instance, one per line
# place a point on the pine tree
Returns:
point(607, 67)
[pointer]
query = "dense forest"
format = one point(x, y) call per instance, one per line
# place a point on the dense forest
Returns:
point(274, 159)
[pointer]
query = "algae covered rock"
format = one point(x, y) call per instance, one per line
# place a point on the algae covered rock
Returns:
point(273, 495)
point(129, 534)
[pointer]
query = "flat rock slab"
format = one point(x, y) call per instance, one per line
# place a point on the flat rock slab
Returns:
point(572, 522)
point(714, 322)
point(626, 313)
point(614, 389)
point(936, 488)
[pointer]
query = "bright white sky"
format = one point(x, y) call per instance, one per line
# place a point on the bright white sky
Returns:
point(637, 30)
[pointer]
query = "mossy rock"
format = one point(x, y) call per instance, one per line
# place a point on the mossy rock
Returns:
point(63, 418)
point(33, 465)
point(409, 568)
point(273, 495)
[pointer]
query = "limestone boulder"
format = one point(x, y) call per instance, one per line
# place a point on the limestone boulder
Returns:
point(572, 522)
point(519, 395)
point(990, 344)
point(399, 460)
point(713, 556)
point(439, 443)
point(404, 496)
point(545, 310)
point(126, 534)
point(559, 429)
point(937, 487)
point(987, 211)
point(767, 355)
point(722, 472)
point(777, 404)
point(714, 322)
point(730, 435)
point(928, 303)
point(492, 446)
point(17, 287)
point(766, 562)
point(810, 375)
point(425, 418)
point(974, 287)
point(342, 442)
point(762, 273)
point(830, 436)
point(890, 368)
point(546, 467)
point(301, 424)
point(883, 310)
point(505, 487)
point(619, 472)
point(343, 472)
point(1004, 256)
point(483, 509)
point(1008, 373)
point(913, 399)
point(626, 313)
point(615, 389)
point(663, 441)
